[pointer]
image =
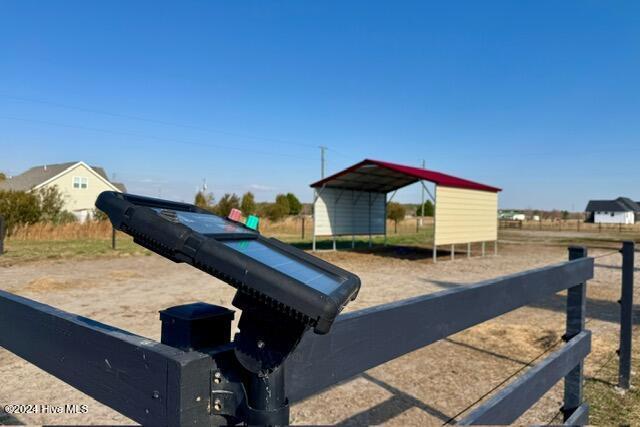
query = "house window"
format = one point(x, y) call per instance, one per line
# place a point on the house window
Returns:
point(80, 182)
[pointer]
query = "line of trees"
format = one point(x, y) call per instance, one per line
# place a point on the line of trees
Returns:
point(21, 207)
point(284, 205)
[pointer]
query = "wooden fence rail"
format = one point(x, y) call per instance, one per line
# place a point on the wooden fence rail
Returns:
point(155, 384)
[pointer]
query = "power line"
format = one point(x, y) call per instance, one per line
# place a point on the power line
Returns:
point(158, 138)
point(162, 122)
point(522, 368)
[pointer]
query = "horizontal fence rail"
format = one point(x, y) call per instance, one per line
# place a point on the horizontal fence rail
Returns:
point(149, 382)
point(367, 338)
point(516, 398)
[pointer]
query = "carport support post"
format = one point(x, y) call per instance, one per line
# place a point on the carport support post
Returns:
point(576, 308)
point(626, 314)
point(483, 248)
point(468, 250)
point(453, 252)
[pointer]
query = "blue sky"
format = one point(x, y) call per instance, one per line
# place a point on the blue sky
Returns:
point(540, 98)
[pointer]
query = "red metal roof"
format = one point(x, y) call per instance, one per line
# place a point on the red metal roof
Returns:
point(383, 177)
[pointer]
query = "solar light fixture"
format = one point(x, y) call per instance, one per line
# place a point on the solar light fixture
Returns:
point(307, 289)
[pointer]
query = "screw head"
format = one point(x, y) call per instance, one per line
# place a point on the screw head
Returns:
point(217, 405)
point(155, 394)
point(260, 344)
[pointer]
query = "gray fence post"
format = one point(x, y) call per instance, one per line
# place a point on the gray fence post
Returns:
point(576, 307)
point(2, 233)
point(626, 314)
point(113, 238)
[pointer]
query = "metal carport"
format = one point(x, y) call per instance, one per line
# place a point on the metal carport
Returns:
point(353, 202)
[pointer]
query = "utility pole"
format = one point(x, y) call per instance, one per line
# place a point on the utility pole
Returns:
point(422, 205)
point(322, 150)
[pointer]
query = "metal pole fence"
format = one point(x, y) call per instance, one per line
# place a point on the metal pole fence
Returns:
point(626, 315)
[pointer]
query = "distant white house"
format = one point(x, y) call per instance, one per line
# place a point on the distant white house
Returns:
point(619, 211)
point(512, 216)
point(79, 184)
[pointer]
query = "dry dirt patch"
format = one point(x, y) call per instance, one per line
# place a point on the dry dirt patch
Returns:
point(421, 388)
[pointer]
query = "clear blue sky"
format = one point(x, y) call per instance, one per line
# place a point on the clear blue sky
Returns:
point(541, 98)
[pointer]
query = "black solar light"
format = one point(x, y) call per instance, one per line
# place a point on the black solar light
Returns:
point(282, 291)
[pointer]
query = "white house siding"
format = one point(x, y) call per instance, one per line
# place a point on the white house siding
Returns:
point(347, 212)
point(80, 201)
point(614, 217)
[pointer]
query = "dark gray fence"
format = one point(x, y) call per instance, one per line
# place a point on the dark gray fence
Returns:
point(626, 315)
point(153, 383)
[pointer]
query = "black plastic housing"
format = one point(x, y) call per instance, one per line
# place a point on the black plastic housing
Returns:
point(134, 215)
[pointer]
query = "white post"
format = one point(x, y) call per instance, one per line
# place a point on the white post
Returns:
point(435, 253)
point(370, 242)
point(468, 250)
point(483, 248)
point(453, 252)
point(315, 199)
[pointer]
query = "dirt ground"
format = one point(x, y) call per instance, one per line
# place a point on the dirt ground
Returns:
point(426, 387)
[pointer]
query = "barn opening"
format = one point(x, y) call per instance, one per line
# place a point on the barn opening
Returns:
point(354, 202)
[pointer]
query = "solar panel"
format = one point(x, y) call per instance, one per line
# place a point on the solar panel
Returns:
point(269, 273)
point(203, 223)
point(305, 273)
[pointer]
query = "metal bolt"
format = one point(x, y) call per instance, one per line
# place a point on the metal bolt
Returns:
point(260, 344)
point(217, 377)
point(155, 394)
point(217, 405)
point(198, 399)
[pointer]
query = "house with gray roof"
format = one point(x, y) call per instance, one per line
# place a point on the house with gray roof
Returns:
point(619, 211)
point(79, 184)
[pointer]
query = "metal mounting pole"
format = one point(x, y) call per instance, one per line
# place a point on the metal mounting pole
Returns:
point(576, 308)
point(626, 315)
point(483, 251)
point(468, 250)
point(453, 252)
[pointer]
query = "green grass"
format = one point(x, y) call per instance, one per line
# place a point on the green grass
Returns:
point(422, 239)
point(20, 251)
point(608, 404)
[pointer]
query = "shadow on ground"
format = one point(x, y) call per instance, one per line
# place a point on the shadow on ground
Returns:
point(398, 403)
point(9, 420)
point(390, 251)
